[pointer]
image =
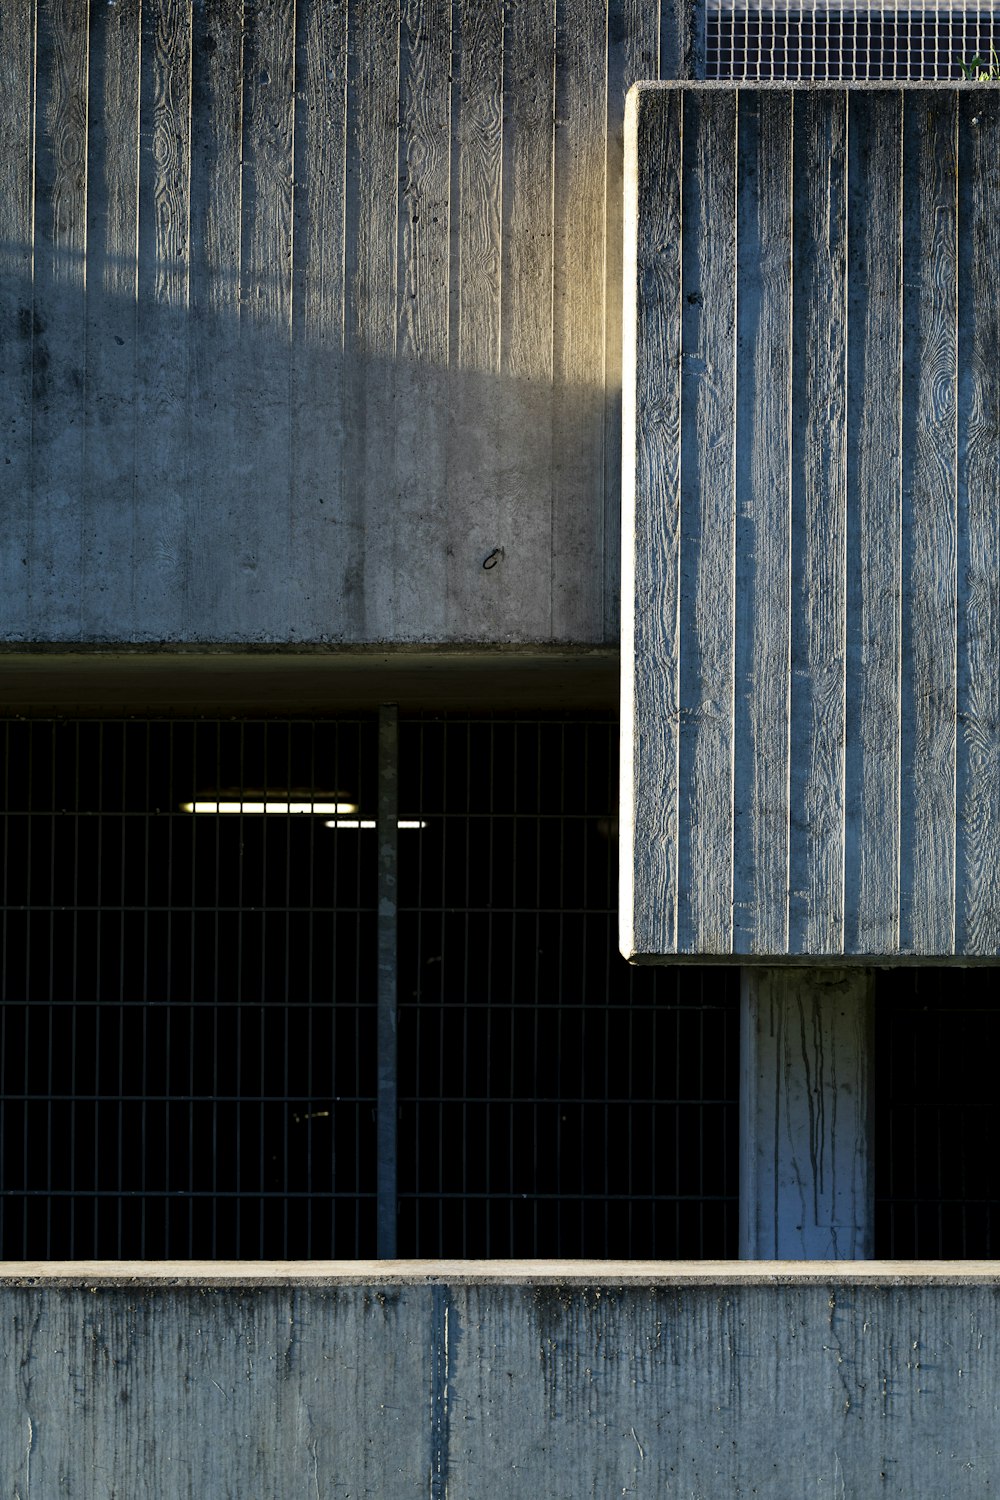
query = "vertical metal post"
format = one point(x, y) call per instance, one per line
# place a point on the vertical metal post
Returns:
point(388, 815)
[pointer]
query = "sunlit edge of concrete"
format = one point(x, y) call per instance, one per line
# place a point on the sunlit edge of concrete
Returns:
point(582, 1273)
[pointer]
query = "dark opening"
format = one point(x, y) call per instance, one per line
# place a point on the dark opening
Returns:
point(937, 1177)
point(188, 1001)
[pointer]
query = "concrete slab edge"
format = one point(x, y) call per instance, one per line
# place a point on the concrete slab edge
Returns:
point(583, 1273)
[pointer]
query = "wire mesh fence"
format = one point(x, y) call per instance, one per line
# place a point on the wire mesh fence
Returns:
point(554, 1101)
point(844, 40)
point(188, 1000)
point(187, 1012)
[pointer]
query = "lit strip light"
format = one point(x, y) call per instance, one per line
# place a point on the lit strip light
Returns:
point(401, 823)
point(289, 809)
point(316, 809)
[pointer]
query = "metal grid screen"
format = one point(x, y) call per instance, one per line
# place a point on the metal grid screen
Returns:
point(554, 1101)
point(187, 1021)
point(844, 40)
point(189, 1001)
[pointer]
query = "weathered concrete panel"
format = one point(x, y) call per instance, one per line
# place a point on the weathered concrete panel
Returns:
point(811, 632)
point(308, 311)
point(521, 1382)
point(229, 1393)
point(756, 1391)
point(807, 1188)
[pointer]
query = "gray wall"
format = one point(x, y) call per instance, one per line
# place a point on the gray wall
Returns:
point(562, 1389)
point(309, 309)
point(812, 539)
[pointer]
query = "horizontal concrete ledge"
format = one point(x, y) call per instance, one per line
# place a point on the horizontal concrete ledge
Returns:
point(589, 1273)
point(222, 680)
point(815, 960)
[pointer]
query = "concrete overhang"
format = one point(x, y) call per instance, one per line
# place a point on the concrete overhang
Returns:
point(220, 681)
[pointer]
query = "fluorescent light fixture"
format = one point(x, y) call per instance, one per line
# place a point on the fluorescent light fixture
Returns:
point(271, 805)
point(371, 823)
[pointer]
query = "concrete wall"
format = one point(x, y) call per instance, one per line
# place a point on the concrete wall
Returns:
point(811, 539)
point(310, 309)
point(543, 1380)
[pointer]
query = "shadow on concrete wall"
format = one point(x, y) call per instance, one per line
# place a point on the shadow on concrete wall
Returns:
point(180, 473)
point(307, 313)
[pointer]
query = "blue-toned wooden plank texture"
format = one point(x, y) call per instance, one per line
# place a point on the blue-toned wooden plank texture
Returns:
point(811, 626)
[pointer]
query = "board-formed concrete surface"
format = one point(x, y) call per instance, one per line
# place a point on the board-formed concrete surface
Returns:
point(514, 1380)
point(311, 319)
point(810, 638)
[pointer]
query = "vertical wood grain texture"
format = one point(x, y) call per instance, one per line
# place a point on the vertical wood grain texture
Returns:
point(422, 308)
point(373, 89)
point(929, 407)
point(581, 144)
point(163, 508)
point(371, 268)
point(59, 341)
point(264, 430)
point(651, 530)
point(806, 1186)
point(218, 465)
point(707, 522)
point(479, 161)
point(633, 54)
point(682, 40)
point(977, 914)
point(326, 523)
point(474, 482)
point(874, 461)
point(320, 170)
point(763, 526)
point(17, 316)
point(112, 434)
point(819, 524)
point(866, 784)
point(425, 182)
point(526, 435)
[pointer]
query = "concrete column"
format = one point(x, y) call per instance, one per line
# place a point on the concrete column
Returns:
point(806, 1172)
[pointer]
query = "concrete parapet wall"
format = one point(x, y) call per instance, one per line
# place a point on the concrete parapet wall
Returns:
point(520, 1380)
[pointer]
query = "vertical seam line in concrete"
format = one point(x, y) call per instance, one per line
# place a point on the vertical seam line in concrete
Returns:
point(440, 1376)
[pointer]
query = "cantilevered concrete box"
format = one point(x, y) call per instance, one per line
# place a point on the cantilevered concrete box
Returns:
point(811, 514)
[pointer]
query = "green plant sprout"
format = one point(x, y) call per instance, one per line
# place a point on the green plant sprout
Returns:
point(980, 69)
